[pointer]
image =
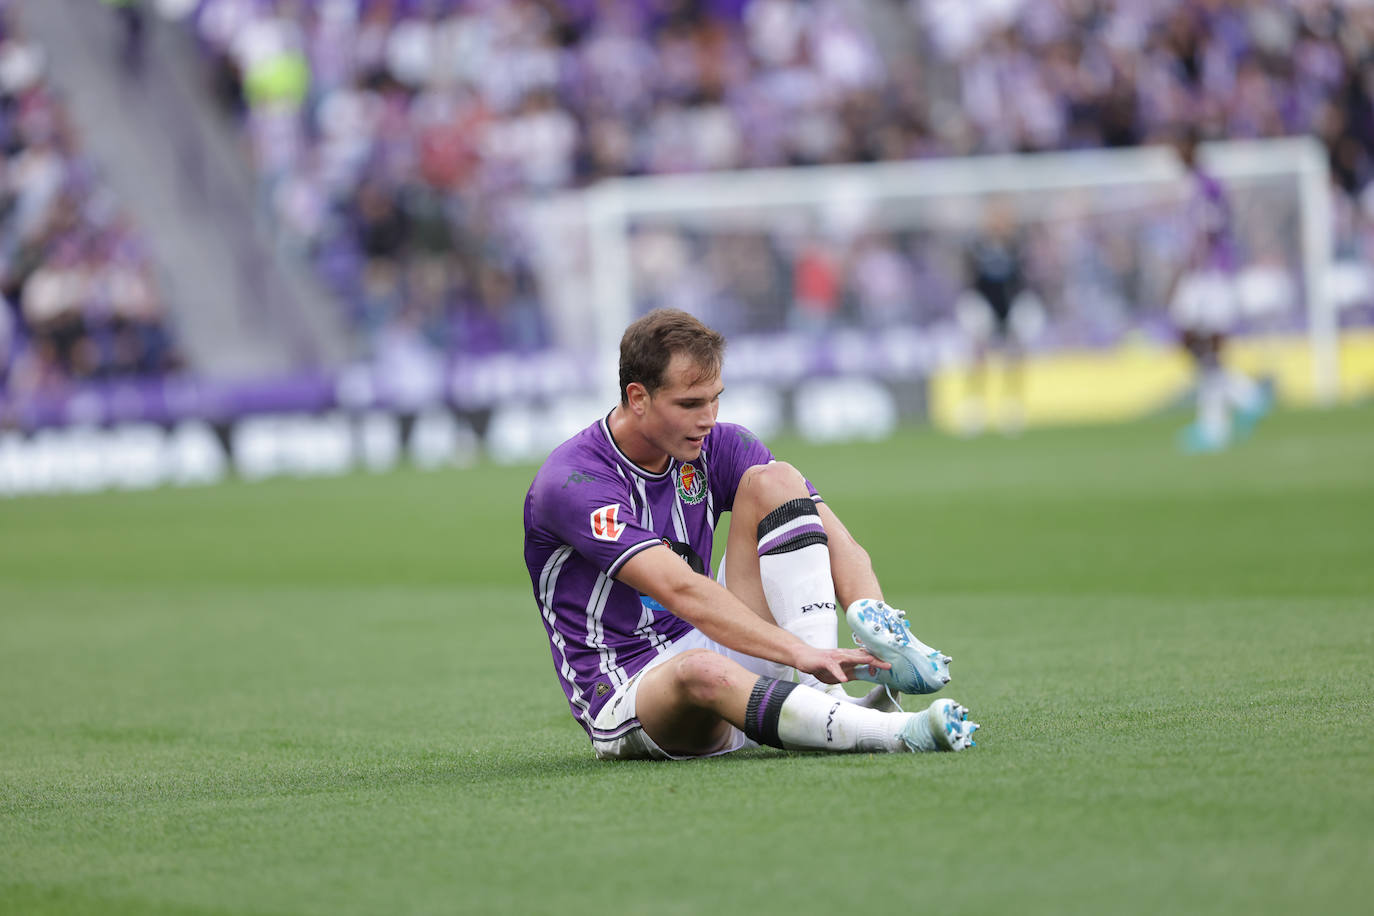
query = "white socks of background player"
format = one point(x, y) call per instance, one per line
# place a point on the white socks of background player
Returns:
point(1213, 414)
point(794, 565)
point(1220, 390)
point(788, 715)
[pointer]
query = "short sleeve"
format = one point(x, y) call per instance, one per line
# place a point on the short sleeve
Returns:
point(734, 450)
point(592, 512)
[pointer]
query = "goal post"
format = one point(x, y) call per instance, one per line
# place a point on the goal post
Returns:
point(612, 251)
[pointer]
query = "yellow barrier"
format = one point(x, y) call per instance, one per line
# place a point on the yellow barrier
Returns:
point(1137, 379)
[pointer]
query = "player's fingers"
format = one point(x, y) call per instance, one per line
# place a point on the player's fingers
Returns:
point(831, 673)
point(854, 657)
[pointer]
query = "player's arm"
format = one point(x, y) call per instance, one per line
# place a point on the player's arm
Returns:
point(850, 567)
point(708, 606)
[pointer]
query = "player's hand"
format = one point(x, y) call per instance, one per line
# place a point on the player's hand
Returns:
point(835, 666)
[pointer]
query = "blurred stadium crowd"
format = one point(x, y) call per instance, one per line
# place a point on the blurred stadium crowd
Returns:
point(80, 296)
point(393, 139)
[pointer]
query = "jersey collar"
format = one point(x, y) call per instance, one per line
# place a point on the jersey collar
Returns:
point(625, 459)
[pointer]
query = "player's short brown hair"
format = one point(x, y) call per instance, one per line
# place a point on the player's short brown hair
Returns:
point(648, 346)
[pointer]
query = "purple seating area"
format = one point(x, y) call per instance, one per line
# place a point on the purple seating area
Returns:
point(79, 299)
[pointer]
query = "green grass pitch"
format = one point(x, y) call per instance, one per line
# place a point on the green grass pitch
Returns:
point(335, 697)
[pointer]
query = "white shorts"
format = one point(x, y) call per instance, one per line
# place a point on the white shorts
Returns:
point(1205, 302)
point(616, 732)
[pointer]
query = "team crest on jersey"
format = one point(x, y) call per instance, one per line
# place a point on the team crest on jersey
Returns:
point(691, 484)
point(605, 525)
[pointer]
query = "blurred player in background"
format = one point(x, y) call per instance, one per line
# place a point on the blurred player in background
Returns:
point(1205, 306)
point(133, 25)
point(998, 313)
point(658, 659)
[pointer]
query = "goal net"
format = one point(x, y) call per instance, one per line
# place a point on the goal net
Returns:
point(833, 281)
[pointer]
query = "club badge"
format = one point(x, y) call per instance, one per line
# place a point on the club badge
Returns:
point(691, 484)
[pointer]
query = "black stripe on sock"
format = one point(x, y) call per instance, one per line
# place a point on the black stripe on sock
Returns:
point(793, 508)
point(800, 541)
point(764, 708)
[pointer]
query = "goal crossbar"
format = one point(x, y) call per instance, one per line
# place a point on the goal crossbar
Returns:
point(612, 207)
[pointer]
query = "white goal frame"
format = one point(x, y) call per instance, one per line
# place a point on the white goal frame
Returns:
point(609, 209)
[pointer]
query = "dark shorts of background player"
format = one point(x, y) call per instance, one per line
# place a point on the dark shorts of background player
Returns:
point(1204, 346)
point(1000, 306)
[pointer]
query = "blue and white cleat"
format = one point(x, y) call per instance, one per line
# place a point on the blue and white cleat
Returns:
point(885, 633)
point(942, 727)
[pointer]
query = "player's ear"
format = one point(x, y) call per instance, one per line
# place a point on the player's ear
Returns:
point(637, 397)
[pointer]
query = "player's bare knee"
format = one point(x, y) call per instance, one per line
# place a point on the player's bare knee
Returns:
point(767, 486)
point(702, 676)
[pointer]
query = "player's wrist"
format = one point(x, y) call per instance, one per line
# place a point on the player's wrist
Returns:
point(807, 658)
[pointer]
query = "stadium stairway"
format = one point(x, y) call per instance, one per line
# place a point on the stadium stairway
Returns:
point(241, 306)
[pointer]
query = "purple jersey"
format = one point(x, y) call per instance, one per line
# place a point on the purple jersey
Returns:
point(1208, 216)
point(589, 510)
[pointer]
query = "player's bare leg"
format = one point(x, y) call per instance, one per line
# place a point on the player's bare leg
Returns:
point(686, 705)
point(762, 491)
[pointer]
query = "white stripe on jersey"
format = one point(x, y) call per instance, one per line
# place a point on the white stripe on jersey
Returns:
point(646, 515)
point(548, 579)
point(647, 518)
point(596, 633)
point(632, 499)
point(646, 631)
point(710, 500)
point(679, 521)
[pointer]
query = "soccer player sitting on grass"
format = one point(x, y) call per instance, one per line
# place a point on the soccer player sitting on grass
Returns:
point(658, 659)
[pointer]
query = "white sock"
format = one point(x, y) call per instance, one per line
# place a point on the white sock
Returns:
point(814, 721)
point(801, 594)
point(1213, 417)
point(794, 566)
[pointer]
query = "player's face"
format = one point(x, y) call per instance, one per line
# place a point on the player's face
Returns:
point(683, 411)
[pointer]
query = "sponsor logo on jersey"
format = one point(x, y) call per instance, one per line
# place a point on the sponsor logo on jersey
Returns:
point(605, 526)
point(689, 556)
point(691, 484)
point(578, 477)
point(602, 690)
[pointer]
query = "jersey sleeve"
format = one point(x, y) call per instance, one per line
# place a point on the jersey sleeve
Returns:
point(591, 511)
point(734, 450)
